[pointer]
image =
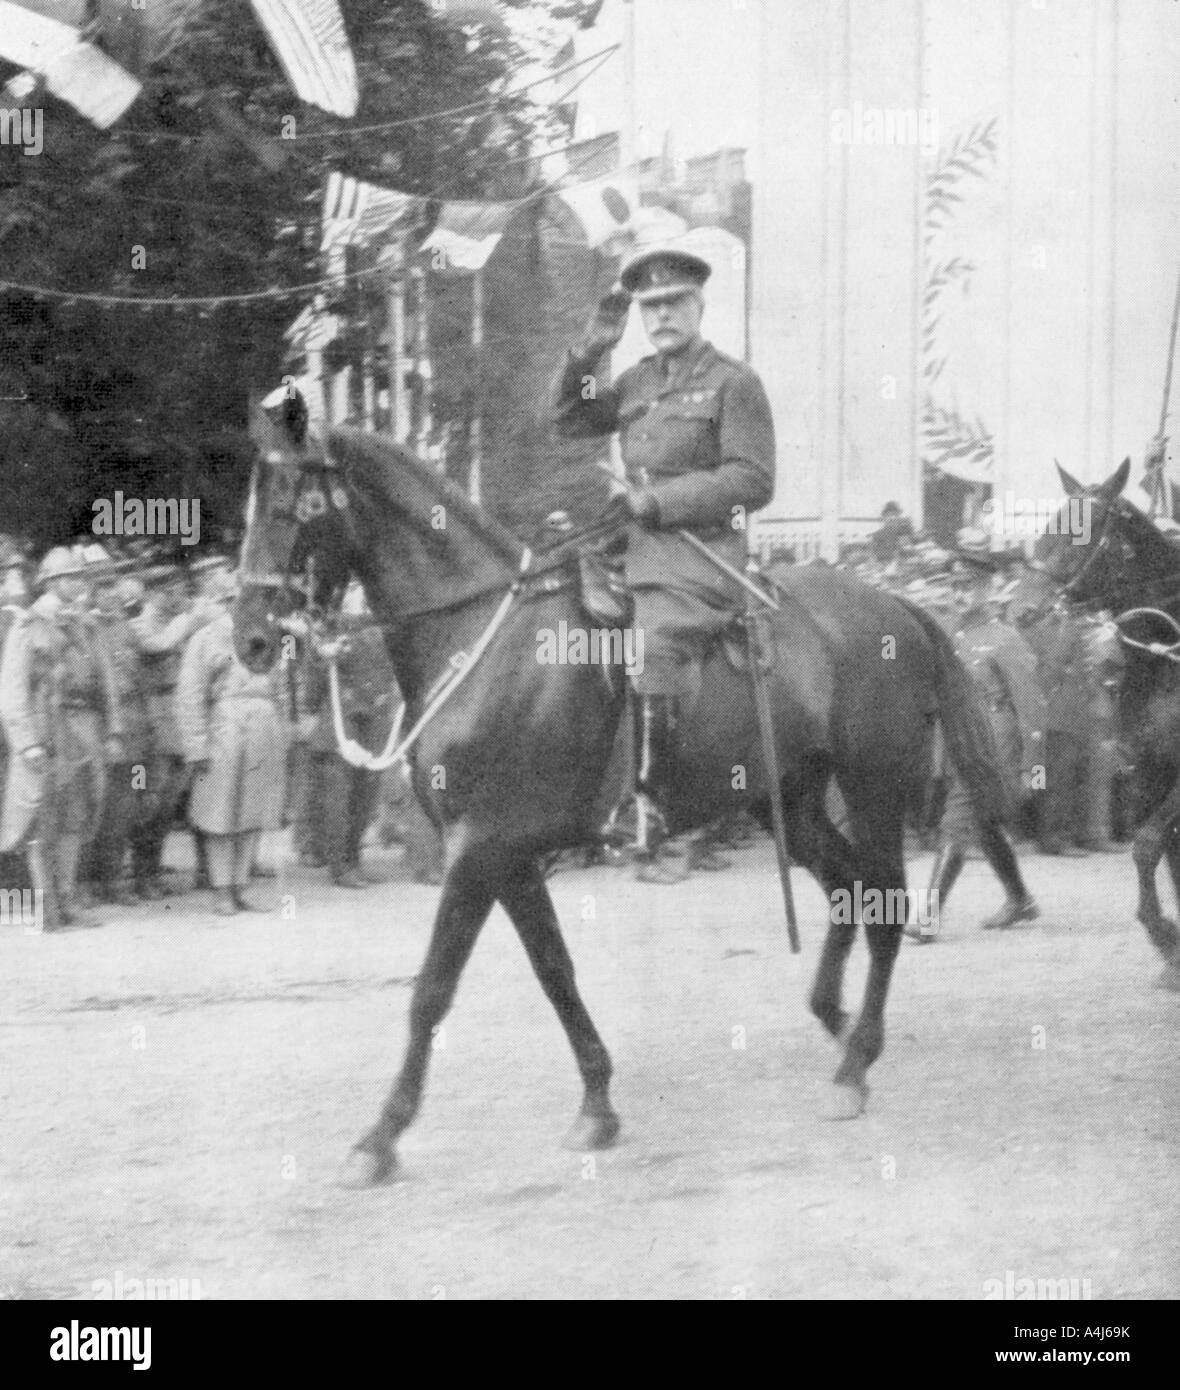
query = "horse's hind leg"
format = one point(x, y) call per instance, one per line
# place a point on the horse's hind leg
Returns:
point(526, 900)
point(467, 898)
point(1170, 978)
point(1152, 841)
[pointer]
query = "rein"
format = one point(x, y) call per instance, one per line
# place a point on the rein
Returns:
point(1170, 651)
point(458, 668)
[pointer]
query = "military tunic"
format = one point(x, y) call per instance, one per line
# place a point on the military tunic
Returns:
point(235, 719)
point(700, 439)
point(1004, 667)
point(57, 690)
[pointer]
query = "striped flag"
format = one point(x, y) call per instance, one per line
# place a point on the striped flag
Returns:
point(357, 213)
point(76, 72)
point(310, 41)
point(308, 38)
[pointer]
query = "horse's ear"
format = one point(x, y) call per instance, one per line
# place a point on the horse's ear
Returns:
point(1117, 480)
point(1069, 482)
point(286, 408)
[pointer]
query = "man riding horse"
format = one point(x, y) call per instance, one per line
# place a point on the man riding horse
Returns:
point(697, 442)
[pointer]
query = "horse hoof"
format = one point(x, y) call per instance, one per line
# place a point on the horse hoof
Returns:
point(845, 1102)
point(364, 1169)
point(592, 1132)
point(1170, 977)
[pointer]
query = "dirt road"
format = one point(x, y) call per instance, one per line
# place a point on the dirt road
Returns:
point(178, 1095)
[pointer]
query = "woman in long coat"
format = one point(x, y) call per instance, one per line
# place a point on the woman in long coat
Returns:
point(235, 734)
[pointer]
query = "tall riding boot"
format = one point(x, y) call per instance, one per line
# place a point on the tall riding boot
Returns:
point(655, 770)
point(43, 886)
point(946, 869)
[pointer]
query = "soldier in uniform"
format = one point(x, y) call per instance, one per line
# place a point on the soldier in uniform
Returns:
point(1005, 670)
point(1061, 652)
point(14, 597)
point(125, 782)
point(346, 796)
point(61, 714)
point(697, 444)
point(235, 733)
point(1104, 662)
point(161, 628)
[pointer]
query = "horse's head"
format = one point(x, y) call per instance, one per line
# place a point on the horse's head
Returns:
point(1098, 546)
point(297, 547)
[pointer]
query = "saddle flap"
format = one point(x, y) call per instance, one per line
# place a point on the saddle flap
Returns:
point(605, 597)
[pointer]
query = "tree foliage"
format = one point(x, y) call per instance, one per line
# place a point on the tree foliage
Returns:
point(211, 185)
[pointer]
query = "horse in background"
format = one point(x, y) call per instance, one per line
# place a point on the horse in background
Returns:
point(1119, 560)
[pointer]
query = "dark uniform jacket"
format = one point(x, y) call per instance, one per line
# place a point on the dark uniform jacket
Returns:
point(1004, 667)
point(57, 690)
point(1061, 651)
point(700, 440)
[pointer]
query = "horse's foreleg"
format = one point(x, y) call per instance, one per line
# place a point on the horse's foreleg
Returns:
point(526, 900)
point(817, 845)
point(1151, 841)
point(467, 899)
point(878, 834)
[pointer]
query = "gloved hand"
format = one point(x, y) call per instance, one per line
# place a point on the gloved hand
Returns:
point(643, 507)
point(609, 321)
point(629, 503)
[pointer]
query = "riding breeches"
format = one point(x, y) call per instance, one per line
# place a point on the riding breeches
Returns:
point(676, 627)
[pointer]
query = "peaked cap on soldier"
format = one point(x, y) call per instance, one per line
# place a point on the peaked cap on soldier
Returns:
point(663, 272)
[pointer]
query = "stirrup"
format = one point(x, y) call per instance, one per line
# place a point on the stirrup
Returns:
point(637, 824)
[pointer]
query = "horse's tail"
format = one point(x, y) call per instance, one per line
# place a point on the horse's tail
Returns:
point(970, 740)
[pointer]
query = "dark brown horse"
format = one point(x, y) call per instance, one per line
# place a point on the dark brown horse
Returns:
point(511, 767)
point(1117, 559)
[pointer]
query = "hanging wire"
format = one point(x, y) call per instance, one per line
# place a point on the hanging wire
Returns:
point(313, 286)
point(467, 108)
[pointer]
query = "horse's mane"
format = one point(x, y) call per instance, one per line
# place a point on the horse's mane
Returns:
point(381, 467)
point(1144, 530)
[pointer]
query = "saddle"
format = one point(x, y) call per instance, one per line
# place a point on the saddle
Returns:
point(608, 602)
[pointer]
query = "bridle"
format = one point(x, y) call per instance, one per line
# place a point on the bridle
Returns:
point(308, 503)
point(1071, 586)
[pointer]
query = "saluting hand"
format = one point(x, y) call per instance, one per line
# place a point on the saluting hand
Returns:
point(609, 321)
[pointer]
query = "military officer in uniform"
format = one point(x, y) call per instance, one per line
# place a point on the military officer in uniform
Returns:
point(14, 598)
point(61, 715)
point(697, 443)
point(1059, 641)
point(125, 788)
point(1004, 668)
point(165, 621)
